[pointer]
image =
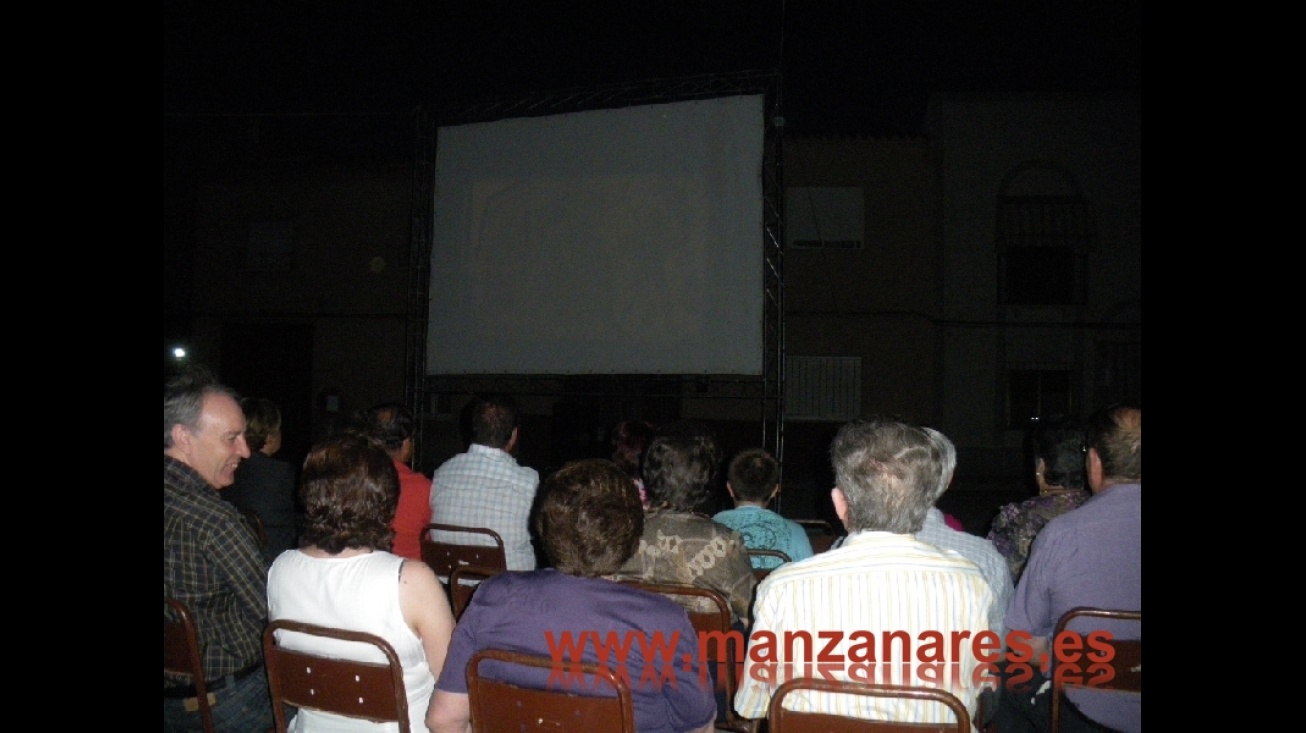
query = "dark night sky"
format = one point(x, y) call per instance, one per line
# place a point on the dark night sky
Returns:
point(847, 66)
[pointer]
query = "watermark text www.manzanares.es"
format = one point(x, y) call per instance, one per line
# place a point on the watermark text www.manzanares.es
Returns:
point(930, 658)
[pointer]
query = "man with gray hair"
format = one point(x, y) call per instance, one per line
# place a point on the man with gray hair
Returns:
point(1092, 556)
point(211, 561)
point(884, 607)
point(978, 550)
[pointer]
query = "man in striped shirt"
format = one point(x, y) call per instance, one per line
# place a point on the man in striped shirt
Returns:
point(883, 607)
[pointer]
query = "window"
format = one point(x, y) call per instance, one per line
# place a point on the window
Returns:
point(1037, 393)
point(1044, 230)
point(1119, 373)
point(824, 217)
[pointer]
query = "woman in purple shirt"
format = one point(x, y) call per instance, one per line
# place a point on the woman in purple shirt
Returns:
point(589, 520)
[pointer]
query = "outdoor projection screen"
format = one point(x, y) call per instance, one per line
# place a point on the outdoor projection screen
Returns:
point(619, 241)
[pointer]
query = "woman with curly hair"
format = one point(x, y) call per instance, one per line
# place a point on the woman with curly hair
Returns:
point(343, 575)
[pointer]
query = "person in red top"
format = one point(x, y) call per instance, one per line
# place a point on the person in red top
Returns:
point(393, 425)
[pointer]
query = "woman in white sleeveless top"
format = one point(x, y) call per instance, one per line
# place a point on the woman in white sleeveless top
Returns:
point(344, 576)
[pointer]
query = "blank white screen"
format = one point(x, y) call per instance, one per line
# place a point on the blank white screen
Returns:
point(625, 241)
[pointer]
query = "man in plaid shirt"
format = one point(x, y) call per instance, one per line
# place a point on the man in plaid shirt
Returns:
point(211, 559)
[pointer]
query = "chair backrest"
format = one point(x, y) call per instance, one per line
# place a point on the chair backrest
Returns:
point(463, 581)
point(1125, 666)
point(497, 705)
point(356, 689)
point(708, 610)
point(820, 533)
point(181, 654)
point(255, 523)
point(709, 613)
point(781, 720)
point(761, 572)
point(444, 556)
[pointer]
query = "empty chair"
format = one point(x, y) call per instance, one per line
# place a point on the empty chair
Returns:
point(1122, 674)
point(444, 556)
point(462, 583)
point(782, 720)
point(498, 705)
point(820, 533)
point(761, 572)
point(369, 690)
point(181, 654)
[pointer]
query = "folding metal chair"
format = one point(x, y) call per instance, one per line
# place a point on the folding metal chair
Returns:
point(709, 612)
point(443, 556)
point(1126, 664)
point(498, 706)
point(356, 689)
point(463, 581)
point(761, 572)
point(782, 720)
point(181, 654)
point(820, 533)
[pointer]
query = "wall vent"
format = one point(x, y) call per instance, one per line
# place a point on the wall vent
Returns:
point(823, 387)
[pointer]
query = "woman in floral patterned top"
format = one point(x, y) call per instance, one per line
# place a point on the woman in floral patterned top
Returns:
point(1058, 444)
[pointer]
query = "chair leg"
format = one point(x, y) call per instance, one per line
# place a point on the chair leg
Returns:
point(742, 725)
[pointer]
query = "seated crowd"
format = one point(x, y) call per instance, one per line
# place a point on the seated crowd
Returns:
point(904, 599)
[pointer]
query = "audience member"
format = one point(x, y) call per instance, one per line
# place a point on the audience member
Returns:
point(589, 521)
point(629, 439)
point(976, 549)
point(485, 487)
point(344, 578)
point(881, 583)
point(1057, 444)
point(678, 545)
point(754, 481)
point(211, 560)
point(1092, 557)
point(393, 425)
point(265, 485)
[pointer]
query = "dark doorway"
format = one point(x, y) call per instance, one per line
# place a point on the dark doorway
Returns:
point(274, 361)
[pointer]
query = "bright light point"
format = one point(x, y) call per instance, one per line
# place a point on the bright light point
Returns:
point(178, 353)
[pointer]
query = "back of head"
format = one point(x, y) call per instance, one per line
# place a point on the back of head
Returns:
point(494, 417)
point(888, 471)
point(679, 466)
point(1059, 441)
point(391, 423)
point(349, 488)
point(183, 399)
point(1116, 433)
point(589, 518)
point(262, 421)
point(948, 461)
point(629, 439)
point(754, 474)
